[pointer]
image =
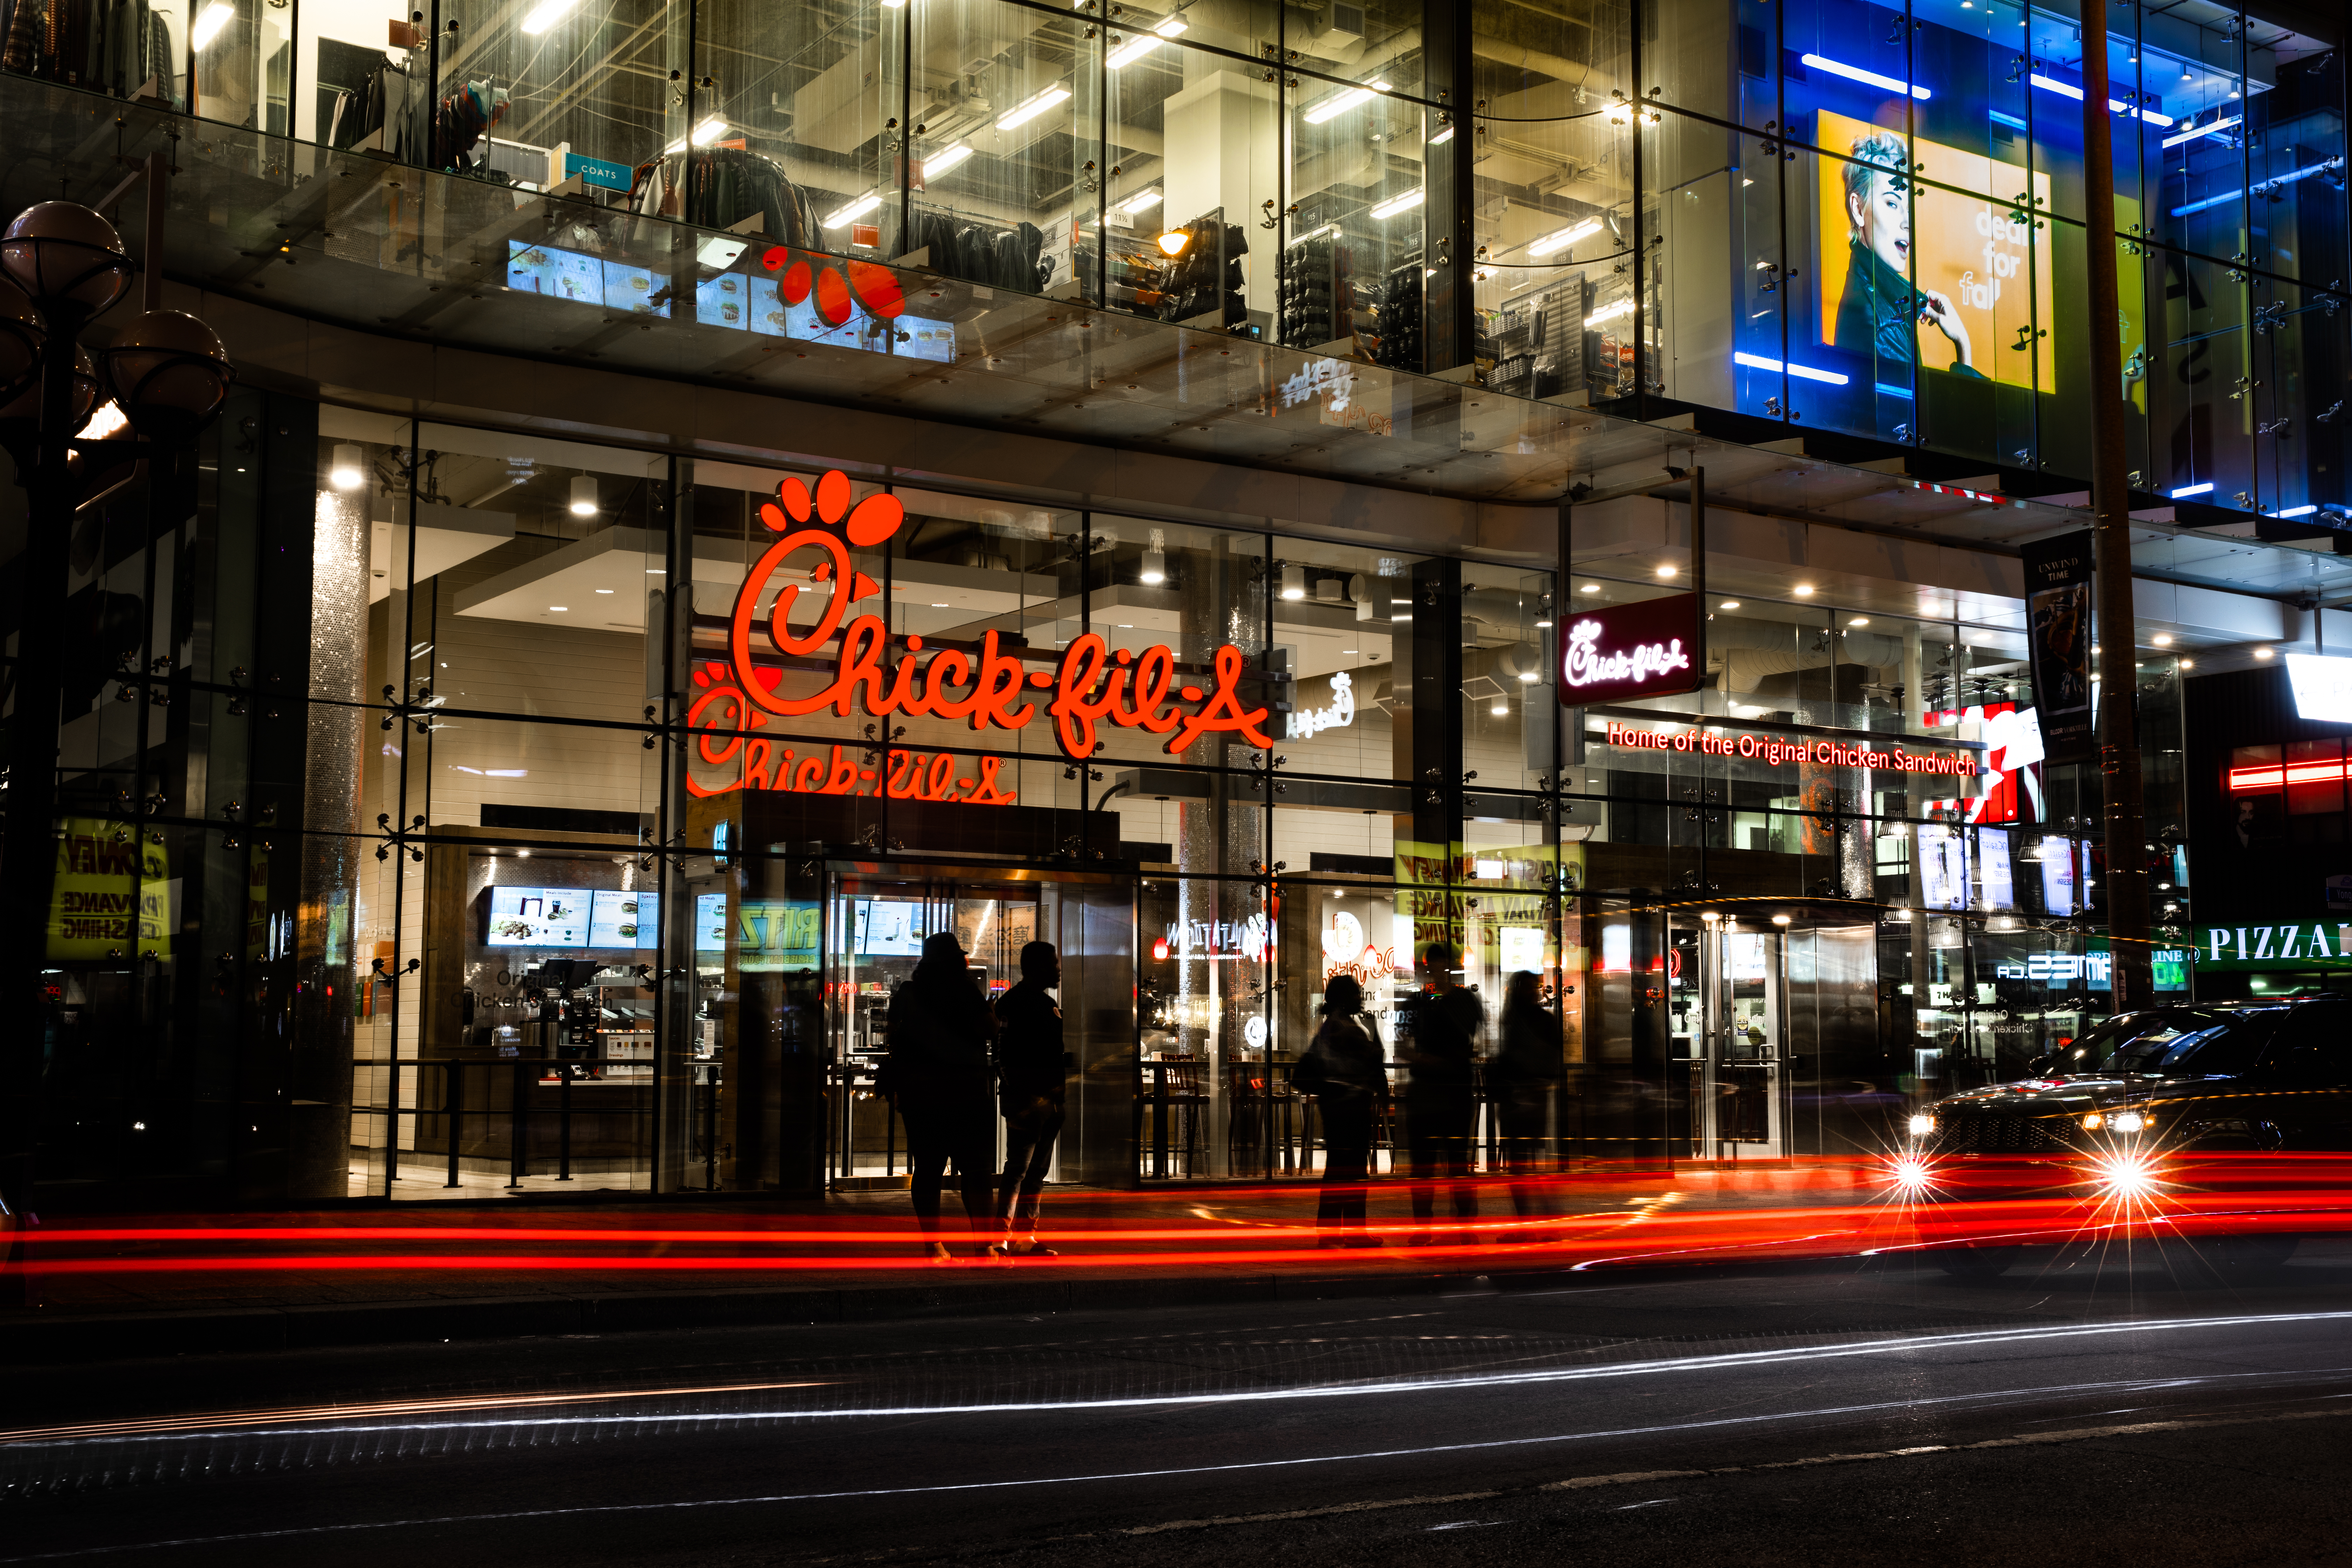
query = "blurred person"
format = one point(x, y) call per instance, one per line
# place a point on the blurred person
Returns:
point(1344, 1069)
point(1033, 1078)
point(1526, 1074)
point(1440, 1101)
point(940, 1036)
point(1879, 314)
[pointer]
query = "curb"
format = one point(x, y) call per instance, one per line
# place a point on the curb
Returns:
point(30, 1339)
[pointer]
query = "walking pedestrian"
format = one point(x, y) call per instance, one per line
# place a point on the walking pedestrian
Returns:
point(1440, 1107)
point(1525, 1074)
point(1034, 1069)
point(940, 1035)
point(1343, 1069)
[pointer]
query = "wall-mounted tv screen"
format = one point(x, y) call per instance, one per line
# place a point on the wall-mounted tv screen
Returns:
point(617, 919)
point(538, 917)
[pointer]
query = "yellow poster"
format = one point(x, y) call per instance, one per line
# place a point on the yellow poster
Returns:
point(111, 884)
point(1982, 280)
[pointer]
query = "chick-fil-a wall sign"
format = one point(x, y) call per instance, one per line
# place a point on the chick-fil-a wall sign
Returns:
point(989, 686)
point(1628, 650)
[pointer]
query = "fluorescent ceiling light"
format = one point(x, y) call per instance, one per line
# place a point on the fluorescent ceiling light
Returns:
point(1608, 314)
point(851, 210)
point(709, 130)
point(2203, 130)
point(218, 14)
point(1395, 205)
point(2050, 85)
point(2185, 491)
point(720, 251)
point(1561, 238)
point(946, 158)
point(2299, 510)
point(1339, 103)
point(546, 13)
point(1801, 372)
point(1142, 44)
point(1855, 73)
point(1030, 110)
point(1332, 230)
point(1142, 200)
point(1443, 137)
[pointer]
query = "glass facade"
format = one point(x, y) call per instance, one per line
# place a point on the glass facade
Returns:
point(1835, 216)
point(447, 807)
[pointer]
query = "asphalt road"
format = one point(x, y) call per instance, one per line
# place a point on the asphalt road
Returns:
point(2139, 1409)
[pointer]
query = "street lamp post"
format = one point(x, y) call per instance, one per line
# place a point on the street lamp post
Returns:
point(61, 265)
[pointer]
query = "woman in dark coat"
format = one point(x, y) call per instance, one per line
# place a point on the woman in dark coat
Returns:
point(939, 1075)
point(1525, 1074)
point(1342, 1068)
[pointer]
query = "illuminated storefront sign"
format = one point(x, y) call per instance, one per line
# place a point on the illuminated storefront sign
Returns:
point(1346, 950)
point(114, 893)
point(1771, 751)
point(2322, 687)
point(2302, 943)
point(2095, 969)
point(1312, 722)
point(1629, 650)
point(1093, 683)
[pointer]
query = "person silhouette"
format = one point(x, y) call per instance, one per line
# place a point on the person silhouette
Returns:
point(941, 1033)
point(1440, 1101)
point(1342, 1068)
point(1035, 1077)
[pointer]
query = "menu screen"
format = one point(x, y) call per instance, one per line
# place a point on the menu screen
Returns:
point(711, 922)
point(539, 916)
point(890, 928)
point(623, 919)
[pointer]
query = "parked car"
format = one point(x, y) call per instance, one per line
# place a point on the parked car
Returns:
point(2260, 1077)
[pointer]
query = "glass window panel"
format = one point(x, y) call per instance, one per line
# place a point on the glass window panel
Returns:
point(2314, 777)
point(2200, 420)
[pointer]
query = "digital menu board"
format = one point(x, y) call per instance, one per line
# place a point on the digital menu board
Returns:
point(889, 928)
point(538, 917)
point(711, 922)
point(617, 919)
point(1994, 875)
point(1943, 869)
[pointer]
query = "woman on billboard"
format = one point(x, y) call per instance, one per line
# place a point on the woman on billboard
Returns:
point(1881, 314)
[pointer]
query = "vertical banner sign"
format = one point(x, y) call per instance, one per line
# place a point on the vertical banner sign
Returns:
point(2058, 641)
point(1629, 650)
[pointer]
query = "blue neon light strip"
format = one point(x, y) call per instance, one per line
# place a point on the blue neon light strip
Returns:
point(1801, 372)
point(2262, 188)
point(2185, 491)
point(2051, 85)
point(2009, 120)
point(2202, 130)
point(2299, 511)
point(1855, 73)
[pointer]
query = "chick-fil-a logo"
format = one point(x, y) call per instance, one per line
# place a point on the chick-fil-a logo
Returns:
point(1629, 650)
point(1093, 683)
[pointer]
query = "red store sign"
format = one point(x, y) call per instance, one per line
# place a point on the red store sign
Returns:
point(1093, 684)
point(1772, 752)
point(1629, 650)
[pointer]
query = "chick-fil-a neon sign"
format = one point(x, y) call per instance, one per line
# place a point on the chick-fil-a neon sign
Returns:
point(1093, 684)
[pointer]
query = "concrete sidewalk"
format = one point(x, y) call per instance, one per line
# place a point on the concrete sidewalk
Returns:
point(111, 1287)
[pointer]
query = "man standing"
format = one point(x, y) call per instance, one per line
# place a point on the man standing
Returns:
point(1036, 1070)
point(1440, 1105)
point(940, 1031)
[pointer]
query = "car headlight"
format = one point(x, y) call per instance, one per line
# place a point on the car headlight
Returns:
point(2094, 1121)
point(1922, 1124)
point(2128, 1121)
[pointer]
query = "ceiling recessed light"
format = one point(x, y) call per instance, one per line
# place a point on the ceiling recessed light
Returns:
point(2187, 664)
point(603, 590)
point(1729, 605)
point(1349, 650)
point(938, 606)
point(1858, 621)
point(656, 571)
point(1665, 571)
point(558, 609)
point(1802, 590)
point(2162, 639)
point(1592, 587)
point(2262, 653)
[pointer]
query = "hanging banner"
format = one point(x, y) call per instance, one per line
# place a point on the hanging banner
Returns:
point(115, 894)
point(1625, 651)
point(2058, 643)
